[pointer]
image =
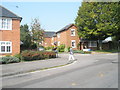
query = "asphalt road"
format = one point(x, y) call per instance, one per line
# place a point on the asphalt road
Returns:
point(89, 71)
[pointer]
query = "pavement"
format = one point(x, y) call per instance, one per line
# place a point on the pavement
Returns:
point(24, 67)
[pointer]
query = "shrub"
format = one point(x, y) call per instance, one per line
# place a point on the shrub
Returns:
point(18, 56)
point(37, 55)
point(6, 60)
point(33, 46)
point(87, 52)
point(61, 48)
point(82, 52)
point(79, 51)
point(68, 49)
point(48, 48)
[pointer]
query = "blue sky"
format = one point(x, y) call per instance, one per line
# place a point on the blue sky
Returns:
point(52, 15)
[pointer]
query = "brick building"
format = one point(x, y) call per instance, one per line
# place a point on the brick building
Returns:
point(9, 32)
point(68, 36)
point(48, 39)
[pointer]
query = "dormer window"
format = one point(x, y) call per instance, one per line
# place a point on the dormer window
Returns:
point(72, 32)
point(5, 24)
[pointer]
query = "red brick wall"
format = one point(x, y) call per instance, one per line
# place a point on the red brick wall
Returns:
point(62, 38)
point(47, 42)
point(65, 37)
point(69, 37)
point(13, 36)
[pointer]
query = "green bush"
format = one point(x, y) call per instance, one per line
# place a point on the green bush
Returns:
point(78, 51)
point(61, 48)
point(18, 56)
point(10, 59)
point(37, 55)
point(82, 52)
point(68, 49)
point(48, 48)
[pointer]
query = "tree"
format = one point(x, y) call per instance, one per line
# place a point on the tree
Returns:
point(37, 32)
point(25, 36)
point(97, 20)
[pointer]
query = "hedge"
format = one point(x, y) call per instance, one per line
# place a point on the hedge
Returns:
point(82, 52)
point(28, 55)
point(10, 59)
point(61, 48)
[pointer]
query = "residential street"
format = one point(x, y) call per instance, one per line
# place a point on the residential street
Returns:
point(89, 71)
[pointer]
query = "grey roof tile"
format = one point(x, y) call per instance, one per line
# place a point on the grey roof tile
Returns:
point(7, 13)
point(65, 28)
point(49, 34)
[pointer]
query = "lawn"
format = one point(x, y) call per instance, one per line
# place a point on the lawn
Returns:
point(107, 51)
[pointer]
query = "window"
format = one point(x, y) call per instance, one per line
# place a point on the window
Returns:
point(72, 32)
point(73, 43)
point(5, 24)
point(5, 47)
point(92, 44)
point(58, 35)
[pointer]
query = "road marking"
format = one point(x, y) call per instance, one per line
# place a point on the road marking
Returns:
point(101, 74)
point(73, 84)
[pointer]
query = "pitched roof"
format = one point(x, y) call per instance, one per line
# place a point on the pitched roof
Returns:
point(7, 13)
point(65, 28)
point(49, 34)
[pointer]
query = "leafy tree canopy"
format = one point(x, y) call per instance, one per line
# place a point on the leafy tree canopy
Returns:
point(98, 20)
point(37, 32)
point(25, 35)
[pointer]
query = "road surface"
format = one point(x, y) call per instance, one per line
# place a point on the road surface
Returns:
point(89, 71)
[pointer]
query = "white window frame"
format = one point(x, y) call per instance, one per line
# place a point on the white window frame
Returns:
point(52, 38)
point(58, 43)
point(73, 32)
point(58, 35)
point(7, 26)
point(91, 45)
point(10, 44)
point(74, 42)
